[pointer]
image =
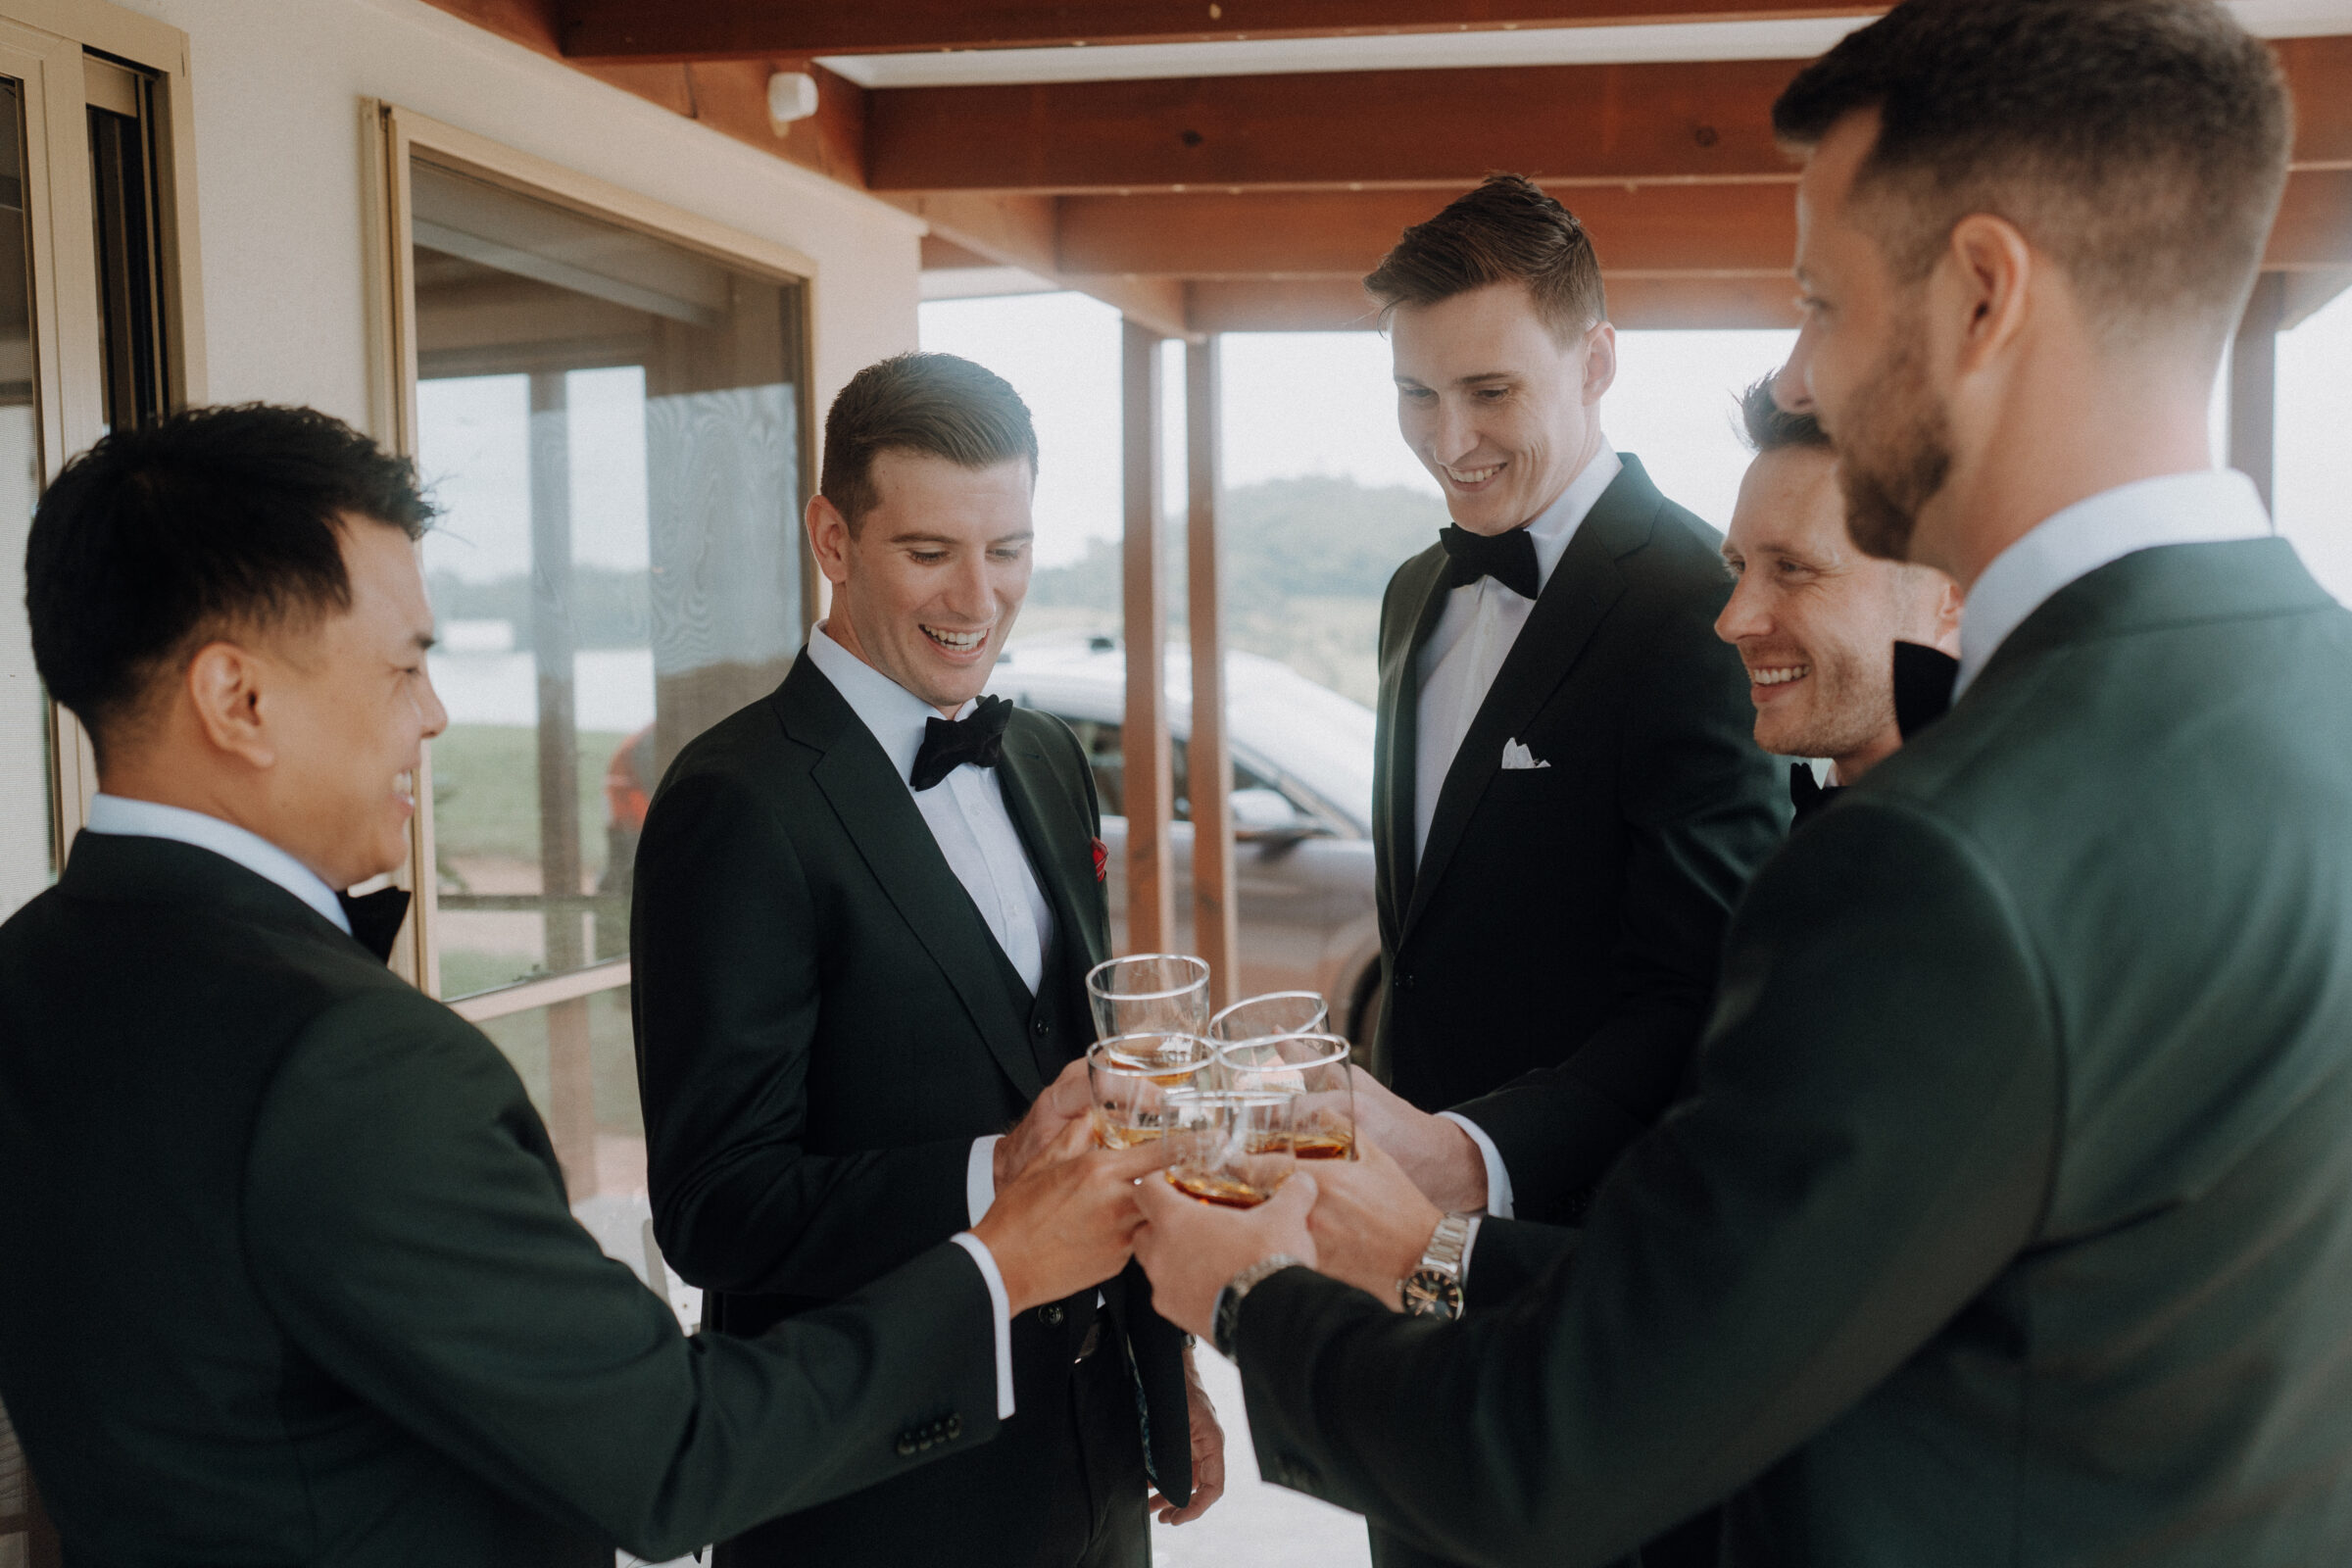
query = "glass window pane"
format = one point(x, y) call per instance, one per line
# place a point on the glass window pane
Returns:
point(613, 424)
point(28, 844)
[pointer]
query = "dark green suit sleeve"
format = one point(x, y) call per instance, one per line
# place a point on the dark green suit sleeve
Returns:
point(404, 1220)
point(727, 990)
point(1703, 810)
point(1871, 1143)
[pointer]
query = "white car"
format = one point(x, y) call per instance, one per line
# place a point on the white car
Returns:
point(1301, 810)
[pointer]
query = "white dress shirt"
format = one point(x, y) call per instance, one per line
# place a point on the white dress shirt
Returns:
point(2214, 506)
point(1474, 635)
point(1465, 652)
point(148, 820)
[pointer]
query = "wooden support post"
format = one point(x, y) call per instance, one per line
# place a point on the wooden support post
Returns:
point(571, 1081)
point(1208, 755)
point(1148, 777)
point(2254, 384)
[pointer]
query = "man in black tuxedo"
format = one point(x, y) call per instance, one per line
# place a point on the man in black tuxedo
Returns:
point(292, 1276)
point(864, 911)
point(1566, 802)
point(1835, 641)
point(2011, 1218)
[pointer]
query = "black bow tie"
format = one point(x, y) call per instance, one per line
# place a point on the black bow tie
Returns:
point(1923, 686)
point(1807, 793)
point(1507, 558)
point(950, 743)
point(376, 918)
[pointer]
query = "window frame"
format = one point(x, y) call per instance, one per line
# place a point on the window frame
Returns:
point(393, 137)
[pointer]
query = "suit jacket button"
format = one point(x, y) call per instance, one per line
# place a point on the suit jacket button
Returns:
point(1404, 982)
point(955, 1427)
point(1041, 1028)
point(1050, 1316)
point(906, 1448)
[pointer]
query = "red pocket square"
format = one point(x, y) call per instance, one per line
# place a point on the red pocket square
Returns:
point(1102, 859)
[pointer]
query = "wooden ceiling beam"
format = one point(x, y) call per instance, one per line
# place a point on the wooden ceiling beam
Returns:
point(1675, 228)
point(1708, 120)
point(715, 29)
point(1687, 120)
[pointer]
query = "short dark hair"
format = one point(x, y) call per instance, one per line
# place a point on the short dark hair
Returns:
point(216, 519)
point(2142, 143)
point(1769, 427)
point(1505, 231)
point(933, 404)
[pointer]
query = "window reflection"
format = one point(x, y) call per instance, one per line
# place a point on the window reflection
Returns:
point(614, 425)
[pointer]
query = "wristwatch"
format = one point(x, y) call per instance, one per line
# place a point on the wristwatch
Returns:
point(1434, 1289)
point(1228, 1299)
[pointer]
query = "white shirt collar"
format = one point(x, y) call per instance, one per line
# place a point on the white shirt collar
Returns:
point(151, 819)
point(894, 713)
point(2212, 506)
point(1556, 524)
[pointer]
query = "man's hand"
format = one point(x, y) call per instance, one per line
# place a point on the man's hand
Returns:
point(1065, 1099)
point(1371, 1225)
point(1070, 1220)
point(1208, 1453)
point(1436, 1153)
point(1192, 1248)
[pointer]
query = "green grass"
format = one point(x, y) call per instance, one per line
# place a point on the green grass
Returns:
point(486, 794)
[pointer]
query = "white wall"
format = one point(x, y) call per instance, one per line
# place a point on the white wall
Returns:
point(276, 87)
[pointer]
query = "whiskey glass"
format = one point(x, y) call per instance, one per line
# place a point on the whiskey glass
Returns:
point(1131, 1080)
point(1146, 992)
point(1277, 1012)
point(1231, 1147)
point(1313, 1067)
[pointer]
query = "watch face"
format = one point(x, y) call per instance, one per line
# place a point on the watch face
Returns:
point(1431, 1294)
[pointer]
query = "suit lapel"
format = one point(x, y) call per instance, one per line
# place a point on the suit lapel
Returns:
point(1060, 840)
point(1422, 593)
point(1583, 588)
point(890, 835)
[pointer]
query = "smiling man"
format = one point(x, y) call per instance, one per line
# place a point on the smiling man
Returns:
point(1815, 621)
point(1567, 802)
point(865, 910)
point(293, 1276)
point(2011, 1218)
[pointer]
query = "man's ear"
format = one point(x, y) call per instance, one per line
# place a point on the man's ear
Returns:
point(1992, 270)
point(1601, 363)
point(224, 684)
point(830, 539)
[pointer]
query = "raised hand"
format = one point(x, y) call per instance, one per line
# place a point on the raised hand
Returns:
point(1436, 1153)
point(1070, 1219)
point(1191, 1248)
point(1049, 1115)
point(1371, 1224)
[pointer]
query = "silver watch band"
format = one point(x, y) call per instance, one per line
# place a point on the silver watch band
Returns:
point(1449, 1244)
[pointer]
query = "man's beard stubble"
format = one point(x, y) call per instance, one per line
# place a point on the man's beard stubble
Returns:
point(1894, 452)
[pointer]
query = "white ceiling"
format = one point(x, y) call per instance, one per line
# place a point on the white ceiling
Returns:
point(1431, 51)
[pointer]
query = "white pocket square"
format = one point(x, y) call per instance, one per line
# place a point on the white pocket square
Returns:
point(1516, 756)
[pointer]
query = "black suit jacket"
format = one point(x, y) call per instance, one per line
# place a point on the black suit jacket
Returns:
point(824, 1024)
point(1551, 959)
point(2012, 1220)
point(291, 1277)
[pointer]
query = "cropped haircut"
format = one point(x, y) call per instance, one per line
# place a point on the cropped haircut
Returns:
point(935, 405)
point(2141, 143)
point(1505, 231)
point(214, 520)
point(1769, 427)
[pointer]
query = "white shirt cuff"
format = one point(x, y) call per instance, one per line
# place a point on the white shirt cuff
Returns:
point(980, 1178)
point(1498, 1179)
point(1003, 1316)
